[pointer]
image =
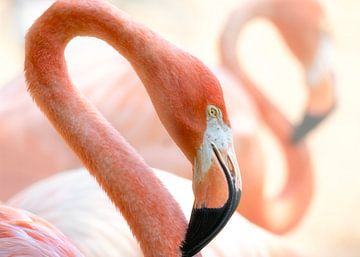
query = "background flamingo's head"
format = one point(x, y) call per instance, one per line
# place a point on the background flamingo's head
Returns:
point(304, 27)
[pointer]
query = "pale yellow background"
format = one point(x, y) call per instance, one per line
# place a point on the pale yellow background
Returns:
point(332, 225)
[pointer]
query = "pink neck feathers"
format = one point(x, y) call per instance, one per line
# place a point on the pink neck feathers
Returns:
point(153, 215)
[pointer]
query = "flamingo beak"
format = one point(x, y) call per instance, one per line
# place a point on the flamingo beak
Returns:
point(322, 92)
point(308, 123)
point(207, 221)
point(321, 103)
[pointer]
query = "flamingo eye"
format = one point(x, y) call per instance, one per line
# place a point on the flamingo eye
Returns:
point(213, 112)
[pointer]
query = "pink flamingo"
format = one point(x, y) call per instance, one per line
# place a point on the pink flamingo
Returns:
point(76, 198)
point(188, 99)
point(301, 23)
point(303, 26)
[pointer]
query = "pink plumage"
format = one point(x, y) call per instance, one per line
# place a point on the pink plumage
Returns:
point(83, 212)
point(24, 234)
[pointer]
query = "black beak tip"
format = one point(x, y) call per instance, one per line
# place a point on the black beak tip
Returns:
point(308, 123)
point(206, 223)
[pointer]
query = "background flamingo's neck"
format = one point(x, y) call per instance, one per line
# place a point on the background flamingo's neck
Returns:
point(301, 24)
point(228, 49)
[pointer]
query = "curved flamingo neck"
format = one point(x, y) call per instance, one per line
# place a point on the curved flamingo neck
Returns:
point(228, 45)
point(167, 73)
point(293, 200)
point(302, 26)
point(153, 215)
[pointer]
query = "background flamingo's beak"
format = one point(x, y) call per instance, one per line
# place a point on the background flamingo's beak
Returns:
point(309, 122)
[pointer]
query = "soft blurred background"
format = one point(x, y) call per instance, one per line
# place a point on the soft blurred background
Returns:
point(332, 225)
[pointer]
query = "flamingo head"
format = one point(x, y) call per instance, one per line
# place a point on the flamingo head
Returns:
point(320, 79)
point(189, 101)
point(216, 183)
point(304, 28)
point(196, 118)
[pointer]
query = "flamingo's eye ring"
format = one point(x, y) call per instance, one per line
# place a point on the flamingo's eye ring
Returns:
point(213, 112)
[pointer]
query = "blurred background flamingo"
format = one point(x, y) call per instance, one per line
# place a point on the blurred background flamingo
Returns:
point(303, 26)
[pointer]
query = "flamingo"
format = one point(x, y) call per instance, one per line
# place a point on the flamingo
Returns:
point(304, 27)
point(189, 101)
point(22, 136)
point(76, 198)
point(301, 24)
